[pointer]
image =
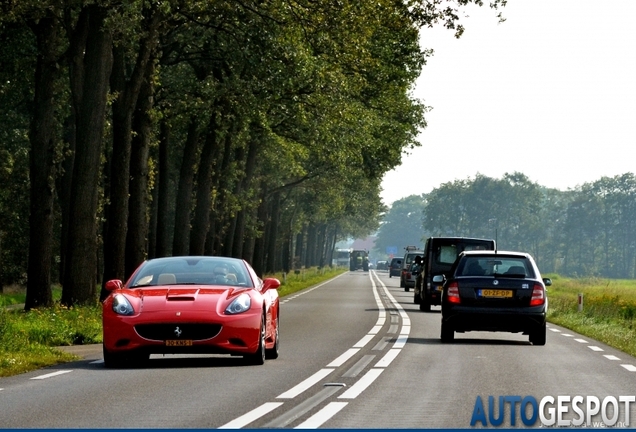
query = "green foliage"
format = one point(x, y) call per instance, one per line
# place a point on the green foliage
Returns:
point(402, 225)
point(28, 339)
point(609, 309)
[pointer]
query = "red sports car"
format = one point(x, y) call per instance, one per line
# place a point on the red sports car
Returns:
point(191, 304)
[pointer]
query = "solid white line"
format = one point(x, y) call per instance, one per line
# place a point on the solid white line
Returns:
point(249, 417)
point(298, 389)
point(629, 367)
point(52, 374)
point(611, 357)
point(316, 420)
point(388, 358)
point(344, 357)
point(362, 384)
point(362, 342)
point(595, 348)
point(375, 330)
point(581, 340)
point(401, 341)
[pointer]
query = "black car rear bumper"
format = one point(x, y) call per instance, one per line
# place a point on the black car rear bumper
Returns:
point(463, 319)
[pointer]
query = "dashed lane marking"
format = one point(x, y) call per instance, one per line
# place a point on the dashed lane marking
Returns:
point(52, 374)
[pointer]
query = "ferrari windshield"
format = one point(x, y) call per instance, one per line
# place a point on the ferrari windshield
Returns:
point(192, 271)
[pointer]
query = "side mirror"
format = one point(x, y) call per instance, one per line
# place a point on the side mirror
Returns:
point(438, 278)
point(547, 282)
point(113, 285)
point(270, 283)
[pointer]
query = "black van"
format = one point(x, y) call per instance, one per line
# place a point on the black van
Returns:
point(439, 255)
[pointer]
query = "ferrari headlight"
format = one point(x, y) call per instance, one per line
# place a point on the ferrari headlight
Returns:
point(122, 306)
point(239, 305)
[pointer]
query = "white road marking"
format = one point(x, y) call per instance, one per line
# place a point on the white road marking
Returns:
point(611, 357)
point(316, 420)
point(362, 384)
point(629, 367)
point(388, 358)
point(555, 330)
point(298, 389)
point(97, 361)
point(52, 374)
point(595, 348)
point(362, 342)
point(249, 417)
point(344, 357)
point(567, 335)
point(581, 340)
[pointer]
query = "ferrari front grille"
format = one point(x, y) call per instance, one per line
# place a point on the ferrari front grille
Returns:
point(191, 331)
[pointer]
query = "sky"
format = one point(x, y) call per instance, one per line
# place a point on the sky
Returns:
point(550, 93)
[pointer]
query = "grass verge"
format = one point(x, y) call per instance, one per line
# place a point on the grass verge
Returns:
point(28, 340)
point(609, 309)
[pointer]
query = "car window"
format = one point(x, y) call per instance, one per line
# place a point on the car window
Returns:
point(192, 271)
point(447, 254)
point(490, 266)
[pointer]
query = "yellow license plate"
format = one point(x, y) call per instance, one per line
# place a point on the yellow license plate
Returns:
point(178, 343)
point(495, 293)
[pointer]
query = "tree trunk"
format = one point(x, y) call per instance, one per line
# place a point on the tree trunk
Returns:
point(163, 184)
point(201, 221)
point(81, 268)
point(128, 89)
point(42, 167)
point(183, 208)
point(272, 235)
point(136, 244)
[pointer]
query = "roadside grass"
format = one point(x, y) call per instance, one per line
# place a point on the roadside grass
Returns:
point(609, 309)
point(28, 340)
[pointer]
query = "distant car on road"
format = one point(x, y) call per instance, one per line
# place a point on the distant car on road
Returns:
point(395, 268)
point(381, 265)
point(494, 291)
point(406, 281)
point(191, 304)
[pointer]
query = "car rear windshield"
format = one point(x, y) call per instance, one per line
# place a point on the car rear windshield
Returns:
point(490, 266)
point(445, 253)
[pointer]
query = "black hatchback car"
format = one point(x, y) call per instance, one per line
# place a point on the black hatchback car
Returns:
point(494, 291)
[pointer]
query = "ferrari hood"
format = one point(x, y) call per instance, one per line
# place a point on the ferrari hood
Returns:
point(182, 298)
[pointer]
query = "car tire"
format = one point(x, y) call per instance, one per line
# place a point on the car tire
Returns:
point(258, 358)
point(425, 305)
point(447, 334)
point(113, 360)
point(402, 283)
point(538, 336)
point(416, 298)
point(272, 353)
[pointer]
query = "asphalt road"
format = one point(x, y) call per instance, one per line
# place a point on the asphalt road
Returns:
point(355, 353)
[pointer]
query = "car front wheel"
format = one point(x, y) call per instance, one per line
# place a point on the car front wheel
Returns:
point(258, 358)
point(272, 353)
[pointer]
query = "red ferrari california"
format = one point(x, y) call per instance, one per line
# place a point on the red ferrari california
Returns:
point(191, 304)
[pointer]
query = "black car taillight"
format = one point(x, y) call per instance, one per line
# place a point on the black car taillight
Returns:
point(453, 293)
point(538, 295)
